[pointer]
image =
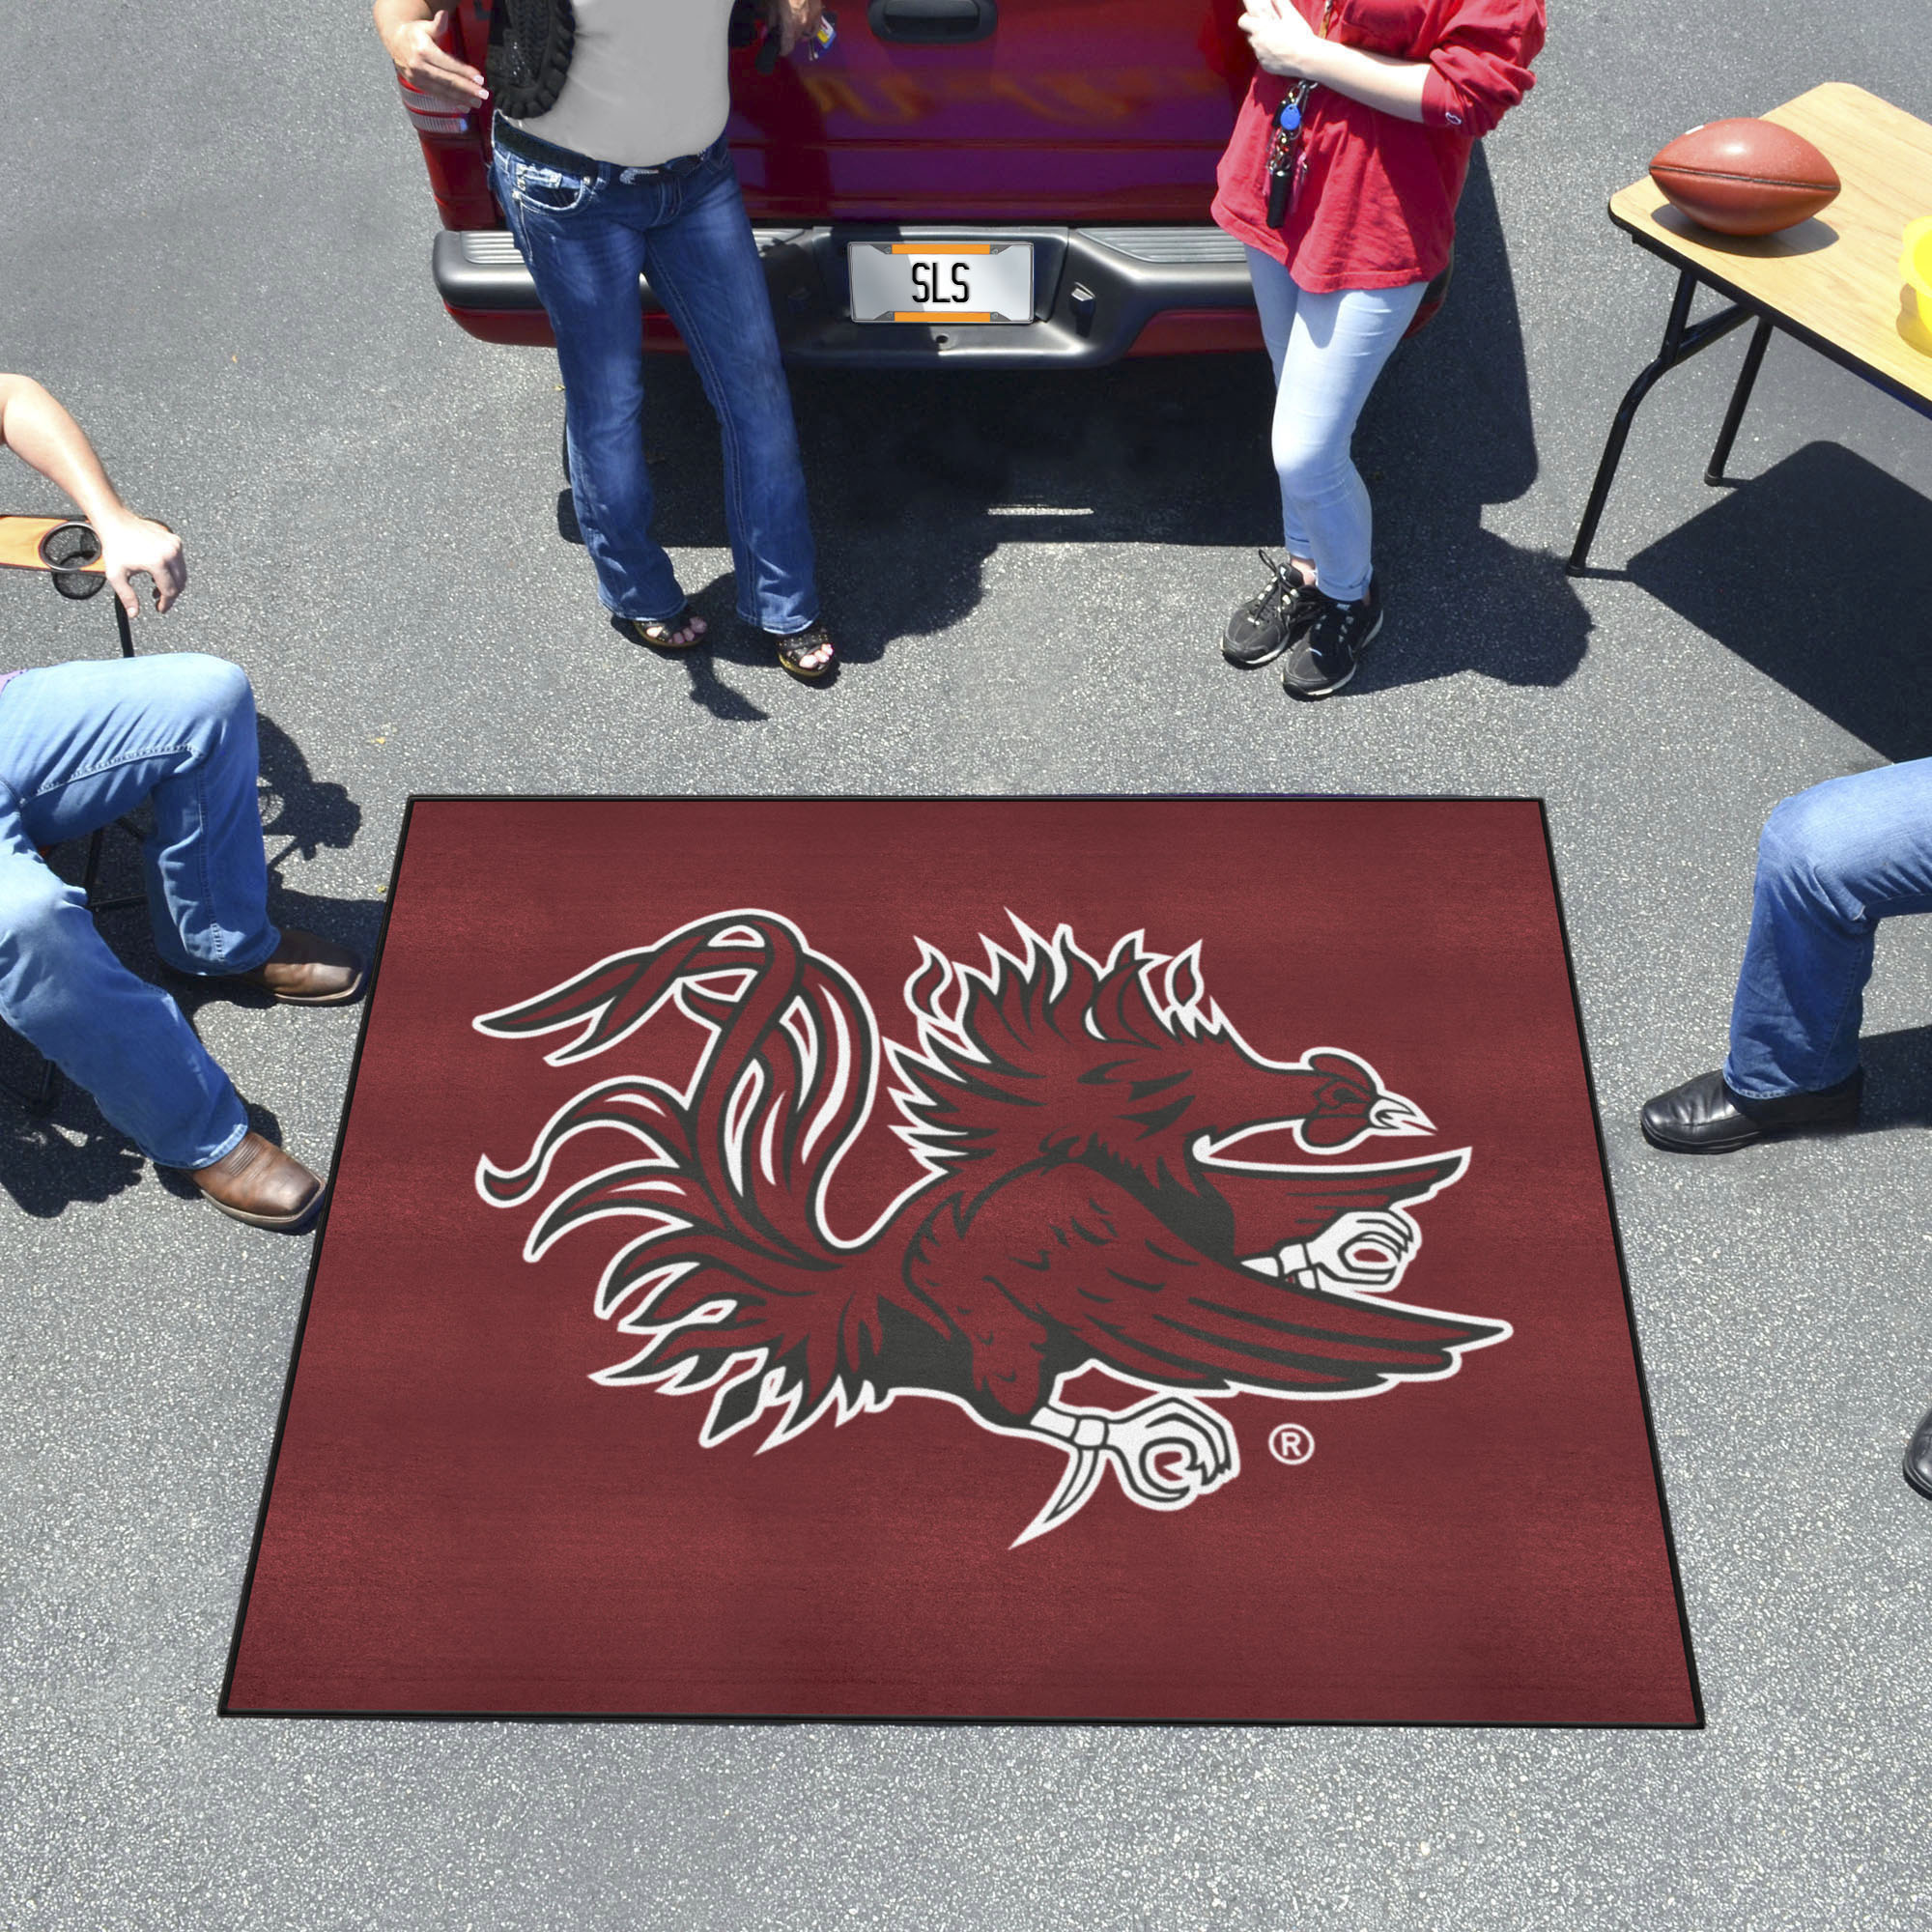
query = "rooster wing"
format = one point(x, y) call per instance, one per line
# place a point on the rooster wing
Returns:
point(1060, 1263)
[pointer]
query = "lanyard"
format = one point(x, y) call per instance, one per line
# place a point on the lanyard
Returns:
point(1287, 136)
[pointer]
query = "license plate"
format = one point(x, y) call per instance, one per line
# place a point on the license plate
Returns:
point(941, 282)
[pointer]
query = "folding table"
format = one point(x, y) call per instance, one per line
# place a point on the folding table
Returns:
point(1832, 282)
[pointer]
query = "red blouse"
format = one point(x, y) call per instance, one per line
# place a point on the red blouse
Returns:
point(1375, 197)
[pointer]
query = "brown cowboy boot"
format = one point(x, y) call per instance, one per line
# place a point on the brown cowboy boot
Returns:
point(255, 1181)
point(306, 970)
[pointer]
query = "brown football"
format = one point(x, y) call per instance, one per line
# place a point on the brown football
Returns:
point(1744, 177)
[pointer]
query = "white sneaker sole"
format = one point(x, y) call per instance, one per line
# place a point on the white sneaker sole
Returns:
point(1330, 690)
point(1252, 663)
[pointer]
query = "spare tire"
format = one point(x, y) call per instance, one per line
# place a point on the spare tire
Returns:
point(530, 44)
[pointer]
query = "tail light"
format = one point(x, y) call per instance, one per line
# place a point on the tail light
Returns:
point(429, 116)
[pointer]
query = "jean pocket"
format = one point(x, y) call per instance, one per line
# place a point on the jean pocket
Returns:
point(550, 190)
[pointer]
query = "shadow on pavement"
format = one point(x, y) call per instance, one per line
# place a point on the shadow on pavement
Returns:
point(47, 1164)
point(916, 477)
point(1819, 573)
point(726, 638)
point(1898, 1079)
point(1447, 432)
point(308, 812)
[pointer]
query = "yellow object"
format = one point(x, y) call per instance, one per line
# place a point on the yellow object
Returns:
point(1914, 267)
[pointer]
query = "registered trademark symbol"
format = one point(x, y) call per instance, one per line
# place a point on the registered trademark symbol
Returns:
point(1291, 1443)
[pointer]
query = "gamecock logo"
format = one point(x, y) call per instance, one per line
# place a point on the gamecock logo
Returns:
point(1080, 1200)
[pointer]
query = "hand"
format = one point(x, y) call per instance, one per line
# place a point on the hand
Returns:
point(1343, 1250)
point(1284, 42)
point(425, 66)
point(132, 547)
point(794, 20)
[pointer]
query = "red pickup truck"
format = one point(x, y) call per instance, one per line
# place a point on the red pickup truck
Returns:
point(978, 183)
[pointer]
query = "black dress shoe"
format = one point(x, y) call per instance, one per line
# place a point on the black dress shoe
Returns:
point(1703, 1116)
point(1919, 1455)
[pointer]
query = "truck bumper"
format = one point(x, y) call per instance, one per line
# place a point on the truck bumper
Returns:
point(1099, 294)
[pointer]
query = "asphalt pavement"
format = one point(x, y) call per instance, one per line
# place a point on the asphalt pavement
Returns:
point(214, 247)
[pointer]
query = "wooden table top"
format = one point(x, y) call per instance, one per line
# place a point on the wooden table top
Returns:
point(1835, 278)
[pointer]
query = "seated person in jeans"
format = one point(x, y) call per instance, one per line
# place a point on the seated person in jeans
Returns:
point(1833, 861)
point(609, 162)
point(82, 744)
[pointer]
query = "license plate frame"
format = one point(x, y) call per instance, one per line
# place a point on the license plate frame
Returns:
point(968, 280)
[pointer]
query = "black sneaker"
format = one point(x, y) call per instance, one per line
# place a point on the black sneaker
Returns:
point(1265, 626)
point(1325, 655)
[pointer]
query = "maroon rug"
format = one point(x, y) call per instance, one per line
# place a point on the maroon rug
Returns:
point(1124, 1260)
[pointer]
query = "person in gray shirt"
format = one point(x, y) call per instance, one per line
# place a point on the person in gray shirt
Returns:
point(609, 162)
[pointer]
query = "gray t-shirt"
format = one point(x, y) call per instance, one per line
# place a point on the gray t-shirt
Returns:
point(647, 83)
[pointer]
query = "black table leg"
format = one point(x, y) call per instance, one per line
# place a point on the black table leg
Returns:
point(1740, 396)
point(1681, 342)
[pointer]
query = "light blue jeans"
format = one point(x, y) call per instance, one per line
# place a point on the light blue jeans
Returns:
point(1830, 863)
point(586, 237)
point(81, 745)
point(1327, 352)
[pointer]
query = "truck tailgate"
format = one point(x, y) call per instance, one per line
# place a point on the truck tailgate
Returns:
point(1067, 110)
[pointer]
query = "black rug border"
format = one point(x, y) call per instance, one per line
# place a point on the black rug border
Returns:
point(223, 1708)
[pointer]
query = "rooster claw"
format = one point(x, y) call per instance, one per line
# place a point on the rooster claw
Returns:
point(1165, 1452)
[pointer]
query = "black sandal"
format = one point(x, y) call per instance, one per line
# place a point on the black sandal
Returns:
point(661, 633)
point(794, 648)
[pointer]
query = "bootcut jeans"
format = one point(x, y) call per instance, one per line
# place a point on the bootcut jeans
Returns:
point(587, 229)
point(1833, 861)
point(81, 745)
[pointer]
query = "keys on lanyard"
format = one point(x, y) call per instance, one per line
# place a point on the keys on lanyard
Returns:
point(1287, 137)
point(1282, 144)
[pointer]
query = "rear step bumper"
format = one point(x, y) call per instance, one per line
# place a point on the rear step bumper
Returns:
point(1096, 291)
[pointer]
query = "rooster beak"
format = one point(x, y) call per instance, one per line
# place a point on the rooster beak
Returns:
point(1392, 1113)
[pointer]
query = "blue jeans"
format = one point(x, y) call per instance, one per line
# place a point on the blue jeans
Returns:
point(1327, 352)
point(588, 234)
point(1833, 861)
point(81, 745)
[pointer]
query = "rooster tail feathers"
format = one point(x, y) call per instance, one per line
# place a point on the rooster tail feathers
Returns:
point(625, 1105)
point(780, 1089)
point(738, 1263)
point(609, 1000)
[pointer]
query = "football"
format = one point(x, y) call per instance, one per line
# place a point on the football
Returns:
point(1744, 177)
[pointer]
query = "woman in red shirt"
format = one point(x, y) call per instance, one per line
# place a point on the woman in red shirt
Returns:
point(1342, 179)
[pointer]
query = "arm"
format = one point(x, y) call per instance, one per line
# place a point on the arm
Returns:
point(795, 20)
point(408, 30)
point(1284, 43)
point(45, 438)
point(1473, 77)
